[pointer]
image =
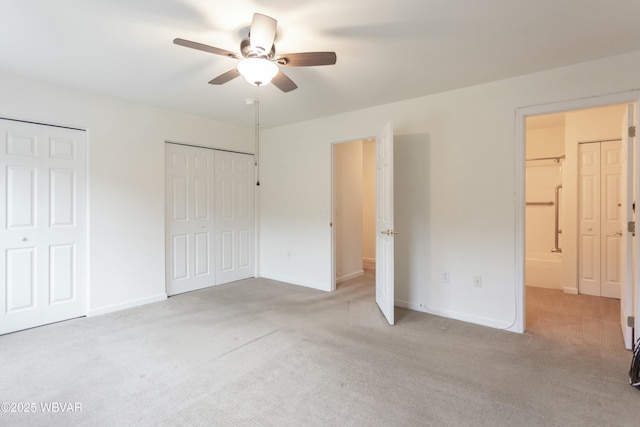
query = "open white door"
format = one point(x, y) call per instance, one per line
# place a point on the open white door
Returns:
point(626, 290)
point(384, 223)
point(634, 112)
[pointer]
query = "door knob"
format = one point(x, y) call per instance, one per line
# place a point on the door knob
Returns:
point(24, 239)
point(617, 233)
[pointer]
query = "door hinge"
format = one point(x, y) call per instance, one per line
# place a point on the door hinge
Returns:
point(631, 226)
point(631, 321)
point(632, 131)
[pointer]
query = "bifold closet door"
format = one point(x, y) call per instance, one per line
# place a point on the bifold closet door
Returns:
point(235, 219)
point(43, 225)
point(189, 217)
point(209, 217)
point(600, 219)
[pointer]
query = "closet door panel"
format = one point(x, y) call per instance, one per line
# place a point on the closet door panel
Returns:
point(235, 227)
point(43, 225)
point(189, 185)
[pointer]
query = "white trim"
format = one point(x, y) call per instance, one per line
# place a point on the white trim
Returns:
point(186, 144)
point(127, 304)
point(520, 128)
point(478, 320)
point(55, 125)
point(332, 217)
point(520, 225)
point(349, 276)
point(369, 263)
point(288, 281)
point(87, 220)
point(581, 103)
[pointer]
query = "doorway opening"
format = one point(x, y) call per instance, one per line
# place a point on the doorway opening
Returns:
point(574, 214)
point(384, 221)
point(556, 262)
point(354, 211)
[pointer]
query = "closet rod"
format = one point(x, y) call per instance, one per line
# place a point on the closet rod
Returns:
point(539, 203)
point(557, 159)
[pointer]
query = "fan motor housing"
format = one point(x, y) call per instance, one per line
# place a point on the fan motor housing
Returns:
point(248, 52)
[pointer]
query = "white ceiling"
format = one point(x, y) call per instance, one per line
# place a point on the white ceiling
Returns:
point(388, 50)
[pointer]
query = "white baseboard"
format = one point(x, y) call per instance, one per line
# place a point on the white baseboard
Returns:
point(125, 305)
point(478, 320)
point(572, 291)
point(350, 276)
point(369, 263)
point(297, 283)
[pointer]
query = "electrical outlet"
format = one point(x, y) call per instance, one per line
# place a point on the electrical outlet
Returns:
point(446, 277)
point(477, 281)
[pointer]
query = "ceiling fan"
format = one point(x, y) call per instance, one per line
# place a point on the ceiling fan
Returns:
point(259, 63)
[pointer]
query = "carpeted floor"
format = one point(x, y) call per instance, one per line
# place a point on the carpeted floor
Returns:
point(259, 352)
point(582, 320)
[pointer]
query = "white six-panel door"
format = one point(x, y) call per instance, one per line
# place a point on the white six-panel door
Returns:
point(209, 217)
point(234, 216)
point(589, 220)
point(385, 240)
point(190, 218)
point(611, 218)
point(43, 225)
point(600, 211)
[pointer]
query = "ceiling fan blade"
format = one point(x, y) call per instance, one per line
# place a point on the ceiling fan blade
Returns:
point(307, 59)
point(262, 33)
point(225, 77)
point(284, 83)
point(205, 48)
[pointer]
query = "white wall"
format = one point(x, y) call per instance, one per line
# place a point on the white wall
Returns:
point(454, 182)
point(369, 203)
point(543, 268)
point(545, 142)
point(348, 209)
point(454, 185)
point(126, 179)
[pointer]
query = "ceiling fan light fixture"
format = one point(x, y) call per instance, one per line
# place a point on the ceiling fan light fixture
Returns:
point(261, 65)
point(257, 71)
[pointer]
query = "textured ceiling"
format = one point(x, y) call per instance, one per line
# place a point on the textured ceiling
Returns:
point(388, 50)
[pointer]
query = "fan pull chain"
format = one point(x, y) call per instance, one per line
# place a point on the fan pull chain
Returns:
point(257, 131)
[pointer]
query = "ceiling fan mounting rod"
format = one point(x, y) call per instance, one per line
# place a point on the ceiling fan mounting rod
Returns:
point(249, 52)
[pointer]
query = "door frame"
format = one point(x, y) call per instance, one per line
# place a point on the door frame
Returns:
point(521, 114)
point(332, 201)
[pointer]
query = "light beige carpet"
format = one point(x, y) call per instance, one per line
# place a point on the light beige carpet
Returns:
point(583, 320)
point(259, 352)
